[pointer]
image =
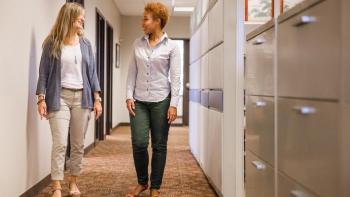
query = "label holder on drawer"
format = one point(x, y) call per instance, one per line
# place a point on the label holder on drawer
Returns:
point(259, 165)
point(304, 20)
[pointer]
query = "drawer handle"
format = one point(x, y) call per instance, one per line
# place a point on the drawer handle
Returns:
point(304, 20)
point(259, 165)
point(259, 41)
point(305, 110)
point(260, 104)
point(296, 193)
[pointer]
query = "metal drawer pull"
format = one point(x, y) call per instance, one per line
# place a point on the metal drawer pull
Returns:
point(296, 193)
point(304, 110)
point(259, 41)
point(304, 20)
point(260, 103)
point(259, 165)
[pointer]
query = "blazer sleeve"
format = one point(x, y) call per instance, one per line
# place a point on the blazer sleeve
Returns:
point(95, 84)
point(44, 70)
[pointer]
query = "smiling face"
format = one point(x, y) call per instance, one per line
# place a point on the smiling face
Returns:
point(78, 24)
point(149, 24)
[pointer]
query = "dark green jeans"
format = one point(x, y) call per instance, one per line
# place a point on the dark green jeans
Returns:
point(152, 117)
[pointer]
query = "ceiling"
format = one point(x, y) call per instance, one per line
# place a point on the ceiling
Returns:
point(135, 7)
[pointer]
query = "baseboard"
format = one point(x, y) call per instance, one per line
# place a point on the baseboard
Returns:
point(33, 191)
point(125, 124)
point(89, 148)
point(177, 125)
point(211, 183)
point(37, 187)
point(122, 124)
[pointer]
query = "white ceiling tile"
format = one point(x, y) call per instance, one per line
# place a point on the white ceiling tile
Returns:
point(135, 7)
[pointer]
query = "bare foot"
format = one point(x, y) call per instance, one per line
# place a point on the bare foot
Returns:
point(73, 189)
point(137, 190)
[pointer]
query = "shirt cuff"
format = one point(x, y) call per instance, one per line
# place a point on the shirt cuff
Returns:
point(174, 101)
point(129, 95)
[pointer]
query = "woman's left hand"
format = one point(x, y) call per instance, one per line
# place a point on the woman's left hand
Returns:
point(97, 109)
point(172, 114)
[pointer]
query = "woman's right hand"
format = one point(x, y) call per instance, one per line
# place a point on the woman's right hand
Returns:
point(130, 104)
point(42, 109)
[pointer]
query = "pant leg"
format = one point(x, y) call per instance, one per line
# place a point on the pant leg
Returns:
point(159, 135)
point(59, 124)
point(140, 125)
point(78, 126)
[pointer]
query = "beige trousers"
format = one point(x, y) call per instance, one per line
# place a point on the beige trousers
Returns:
point(70, 118)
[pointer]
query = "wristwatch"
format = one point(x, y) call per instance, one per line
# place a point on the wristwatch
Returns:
point(40, 99)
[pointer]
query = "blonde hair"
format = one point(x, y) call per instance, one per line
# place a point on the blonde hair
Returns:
point(64, 23)
point(158, 11)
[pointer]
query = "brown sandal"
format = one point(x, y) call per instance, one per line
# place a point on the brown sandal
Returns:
point(135, 192)
point(155, 193)
point(54, 190)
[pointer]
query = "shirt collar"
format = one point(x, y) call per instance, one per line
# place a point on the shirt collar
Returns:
point(163, 38)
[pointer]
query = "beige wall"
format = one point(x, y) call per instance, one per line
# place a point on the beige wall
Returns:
point(26, 141)
point(111, 14)
point(178, 27)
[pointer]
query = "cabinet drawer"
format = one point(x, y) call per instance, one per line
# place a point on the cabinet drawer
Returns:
point(289, 188)
point(259, 177)
point(216, 68)
point(344, 171)
point(346, 50)
point(203, 135)
point(213, 147)
point(309, 144)
point(216, 24)
point(195, 49)
point(260, 127)
point(195, 75)
point(204, 72)
point(193, 128)
point(309, 53)
point(204, 36)
point(259, 64)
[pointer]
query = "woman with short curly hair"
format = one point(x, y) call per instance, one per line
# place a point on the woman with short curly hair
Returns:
point(151, 98)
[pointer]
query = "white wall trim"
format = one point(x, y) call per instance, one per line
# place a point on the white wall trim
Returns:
point(233, 153)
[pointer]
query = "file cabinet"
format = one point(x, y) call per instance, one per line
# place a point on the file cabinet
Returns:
point(312, 103)
point(259, 177)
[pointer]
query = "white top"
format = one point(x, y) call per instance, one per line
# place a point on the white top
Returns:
point(71, 67)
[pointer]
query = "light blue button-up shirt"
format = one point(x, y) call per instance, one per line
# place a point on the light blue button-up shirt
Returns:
point(150, 68)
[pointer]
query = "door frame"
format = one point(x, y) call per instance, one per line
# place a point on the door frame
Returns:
point(100, 67)
point(186, 79)
point(109, 77)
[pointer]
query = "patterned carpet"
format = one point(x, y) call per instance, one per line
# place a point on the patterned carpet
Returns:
point(109, 171)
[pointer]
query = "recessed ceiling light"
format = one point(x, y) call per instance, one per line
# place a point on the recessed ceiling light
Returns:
point(183, 9)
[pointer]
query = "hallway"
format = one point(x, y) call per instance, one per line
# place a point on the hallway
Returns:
point(263, 102)
point(109, 171)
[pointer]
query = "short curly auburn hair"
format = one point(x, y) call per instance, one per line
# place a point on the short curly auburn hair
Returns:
point(158, 11)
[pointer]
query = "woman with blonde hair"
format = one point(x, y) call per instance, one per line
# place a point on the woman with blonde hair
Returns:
point(68, 89)
point(151, 98)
